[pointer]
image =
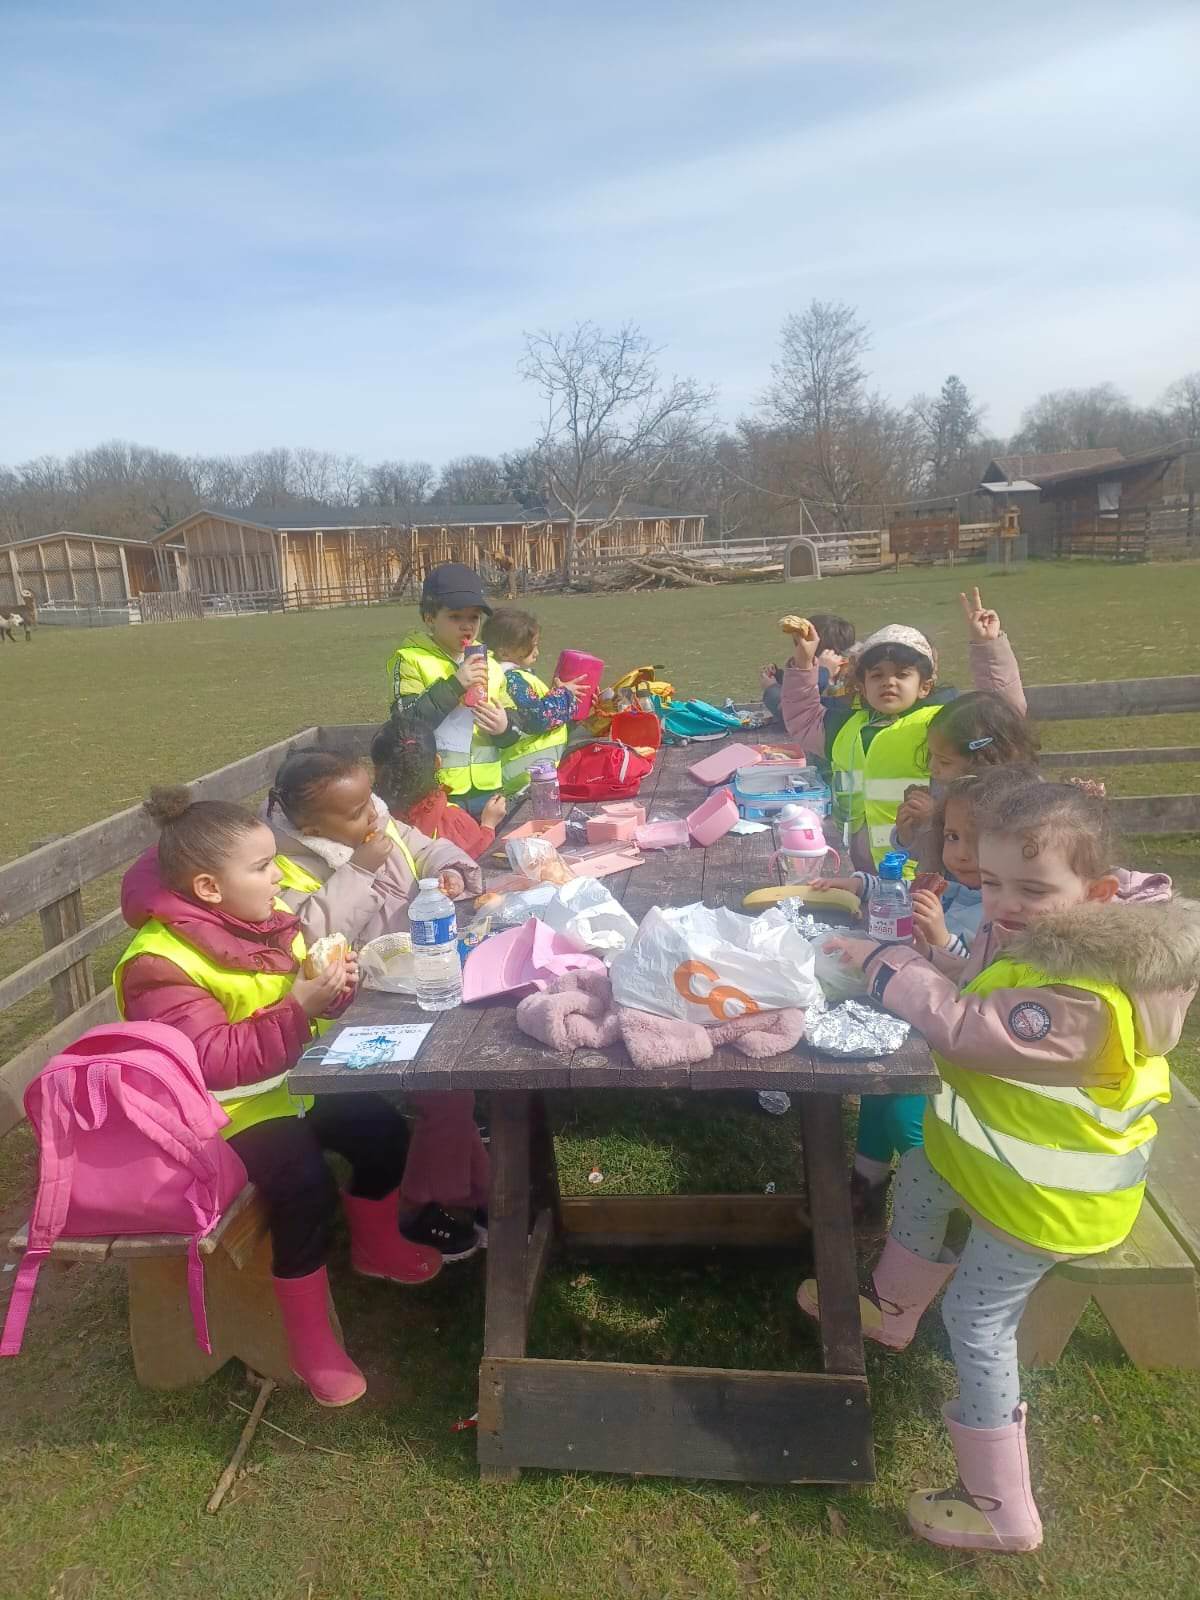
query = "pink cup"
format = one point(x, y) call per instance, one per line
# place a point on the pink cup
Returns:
point(574, 664)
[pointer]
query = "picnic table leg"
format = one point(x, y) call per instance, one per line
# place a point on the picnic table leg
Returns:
point(543, 1163)
point(827, 1178)
point(506, 1315)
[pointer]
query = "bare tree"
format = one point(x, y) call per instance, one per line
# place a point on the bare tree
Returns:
point(818, 380)
point(397, 483)
point(1086, 419)
point(612, 423)
point(1181, 404)
point(472, 481)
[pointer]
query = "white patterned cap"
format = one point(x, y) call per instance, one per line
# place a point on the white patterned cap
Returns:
point(897, 633)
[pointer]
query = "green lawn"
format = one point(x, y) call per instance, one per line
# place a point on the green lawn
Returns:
point(102, 1485)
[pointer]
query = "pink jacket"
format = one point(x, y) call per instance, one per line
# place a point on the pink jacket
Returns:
point(993, 667)
point(155, 990)
point(1145, 942)
point(360, 904)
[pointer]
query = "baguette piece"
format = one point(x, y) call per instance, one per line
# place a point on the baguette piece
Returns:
point(324, 952)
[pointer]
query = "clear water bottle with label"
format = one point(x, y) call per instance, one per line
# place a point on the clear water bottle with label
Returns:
point(437, 972)
point(889, 907)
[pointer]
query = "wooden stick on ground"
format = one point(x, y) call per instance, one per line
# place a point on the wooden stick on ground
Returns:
point(226, 1480)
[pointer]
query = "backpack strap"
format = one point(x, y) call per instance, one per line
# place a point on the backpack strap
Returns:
point(56, 1169)
point(182, 1145)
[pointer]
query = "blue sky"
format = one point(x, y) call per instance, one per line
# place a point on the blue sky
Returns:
point(229, 226)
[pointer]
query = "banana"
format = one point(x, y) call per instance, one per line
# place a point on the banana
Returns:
point(842, 899)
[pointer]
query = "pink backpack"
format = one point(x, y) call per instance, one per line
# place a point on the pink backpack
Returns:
point(130, 1142)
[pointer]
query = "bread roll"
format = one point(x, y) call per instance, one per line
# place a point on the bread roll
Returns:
point(798, 627)
point(324, 952)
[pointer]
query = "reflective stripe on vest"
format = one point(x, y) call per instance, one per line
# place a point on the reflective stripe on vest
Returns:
point(240, 994)
point(1061, 1167)
point(460, 772)
point(870, 783)
point(517, 759)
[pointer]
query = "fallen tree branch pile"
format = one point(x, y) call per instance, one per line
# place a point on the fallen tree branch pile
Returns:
point(669, 571)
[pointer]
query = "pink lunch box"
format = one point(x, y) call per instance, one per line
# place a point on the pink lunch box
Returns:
point(713, 820)
point(722, 766)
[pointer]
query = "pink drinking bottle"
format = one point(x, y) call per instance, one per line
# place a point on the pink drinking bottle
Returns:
point(574, 664)
point(474, 696)
point(803, 847)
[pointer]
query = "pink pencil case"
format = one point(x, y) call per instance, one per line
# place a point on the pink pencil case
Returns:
point(723, 765)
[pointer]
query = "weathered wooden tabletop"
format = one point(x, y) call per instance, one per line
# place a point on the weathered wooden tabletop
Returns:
point(480, 1047)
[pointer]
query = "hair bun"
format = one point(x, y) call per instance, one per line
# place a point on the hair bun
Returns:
point(167, 805)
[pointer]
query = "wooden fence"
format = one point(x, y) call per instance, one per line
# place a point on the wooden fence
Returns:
point(48, 883)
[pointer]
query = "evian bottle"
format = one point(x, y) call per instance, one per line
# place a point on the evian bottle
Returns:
point(889, 907)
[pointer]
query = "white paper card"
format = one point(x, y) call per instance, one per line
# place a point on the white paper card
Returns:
point(454, 732)
point(369, 1047)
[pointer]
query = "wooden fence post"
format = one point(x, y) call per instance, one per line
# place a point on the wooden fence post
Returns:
point(60, 920)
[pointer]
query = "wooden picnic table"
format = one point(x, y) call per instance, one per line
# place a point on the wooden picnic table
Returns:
point(782, 1427)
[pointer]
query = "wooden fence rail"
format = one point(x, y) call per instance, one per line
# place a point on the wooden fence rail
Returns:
point(48, 882)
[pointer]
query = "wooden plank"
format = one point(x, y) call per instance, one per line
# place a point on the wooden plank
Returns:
point(615, 1224)
point(1174, 1188)
point(827, 1184)
point(541, 1247)
point(506, 1314)
point(74, 986)
point(452, 1030)
point(1155, 814)
point(36, 880)
point(674, 1422)
point(1188, 754)
point(1149, 1255)
point(42, 968)
point(1127, 697)
point(17, 1074)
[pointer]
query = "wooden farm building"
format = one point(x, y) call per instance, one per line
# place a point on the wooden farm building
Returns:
point(370, 553)
point(1082, 501)
point(70, 570)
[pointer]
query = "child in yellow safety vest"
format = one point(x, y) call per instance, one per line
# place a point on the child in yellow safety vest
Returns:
point(879, 751)
point(348, 867)
point(217, 955)
point(542, 712)
point(438, 677)
point(1049, 1039)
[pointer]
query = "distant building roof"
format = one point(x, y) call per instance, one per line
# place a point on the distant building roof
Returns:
point(69, 533)
point(1037, 468)
point(422, 516)
point(1011, 486)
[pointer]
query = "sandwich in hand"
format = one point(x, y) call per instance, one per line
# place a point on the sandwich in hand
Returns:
point(324, 953)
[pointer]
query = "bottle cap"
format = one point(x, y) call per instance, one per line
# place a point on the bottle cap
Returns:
point(428, 883)
point(891, 867)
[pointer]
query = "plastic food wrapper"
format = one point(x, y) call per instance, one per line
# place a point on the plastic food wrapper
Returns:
point(387, 963)
point(586, 910)
point(537, 860)
point(854, 1029)
point(837, 982)
point(710, 966)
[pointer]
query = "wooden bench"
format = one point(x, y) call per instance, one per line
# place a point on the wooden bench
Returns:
point(243, 1315)
point(1146, 1288)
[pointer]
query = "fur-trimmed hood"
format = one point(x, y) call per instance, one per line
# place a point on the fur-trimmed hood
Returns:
point(1142, 947)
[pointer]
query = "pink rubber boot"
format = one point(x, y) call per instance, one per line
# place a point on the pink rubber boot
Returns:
point(902, 1287)
point(992, 1506)
point(377, 1247)
point(317, 1358)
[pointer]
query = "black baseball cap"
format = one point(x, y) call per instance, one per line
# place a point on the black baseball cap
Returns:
point(454, 586)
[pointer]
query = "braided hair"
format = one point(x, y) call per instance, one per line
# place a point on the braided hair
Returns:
point(405, 755)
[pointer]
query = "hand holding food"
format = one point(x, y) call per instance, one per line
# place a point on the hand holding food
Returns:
point(933, 882)
point(373, 851)
point(490, 717)
point(929, 920)
point(798, 627)
point(452, 884)
point(324, 975)
point(325, 953)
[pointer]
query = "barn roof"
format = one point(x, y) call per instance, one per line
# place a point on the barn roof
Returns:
point(1037, 468)
point(422, 516)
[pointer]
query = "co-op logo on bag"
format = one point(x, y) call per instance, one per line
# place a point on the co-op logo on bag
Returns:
point(722, 999)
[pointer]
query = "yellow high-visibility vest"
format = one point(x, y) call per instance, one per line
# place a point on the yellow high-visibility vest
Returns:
point(517, 759)
point(869, 783)
point(240, 994)
point(416, 666)
point(1062, 1168)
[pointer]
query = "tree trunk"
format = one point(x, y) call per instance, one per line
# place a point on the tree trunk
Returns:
point(568, 575)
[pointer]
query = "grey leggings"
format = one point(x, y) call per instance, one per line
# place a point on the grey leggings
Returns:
point(982, 1307)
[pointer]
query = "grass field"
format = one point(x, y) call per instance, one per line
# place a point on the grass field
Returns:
point(102, 1485)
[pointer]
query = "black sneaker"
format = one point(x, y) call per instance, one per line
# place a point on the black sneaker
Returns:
point(441, 1230)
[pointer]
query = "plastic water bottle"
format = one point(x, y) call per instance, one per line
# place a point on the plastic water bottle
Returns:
point(774, 1101)
point(437, 973)
point(889, 908)
point(544, 802)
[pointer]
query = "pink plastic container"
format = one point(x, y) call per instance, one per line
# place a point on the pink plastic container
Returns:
point(553, 831)
point(574, 664)
point(663, 835)
point(713, 820)
point(612, 830)
point(722, 766)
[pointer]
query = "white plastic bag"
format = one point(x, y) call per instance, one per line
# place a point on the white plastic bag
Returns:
point(837, 982)
point(387, 963)
point(586, 910)
point(709, 966)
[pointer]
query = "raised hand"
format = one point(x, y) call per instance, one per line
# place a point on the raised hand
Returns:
point(929, 920)
point(494, 813)
point(981, 622)
point(373, 851)
point(490, 717)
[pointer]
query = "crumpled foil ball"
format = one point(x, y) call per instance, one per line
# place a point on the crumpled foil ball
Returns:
point(854, 1029)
